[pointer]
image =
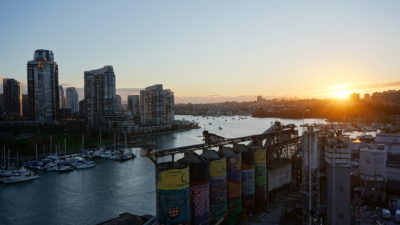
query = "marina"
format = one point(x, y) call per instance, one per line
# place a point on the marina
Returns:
point(111, 187)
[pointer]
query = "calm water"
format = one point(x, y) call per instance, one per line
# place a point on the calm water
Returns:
point(93, 195)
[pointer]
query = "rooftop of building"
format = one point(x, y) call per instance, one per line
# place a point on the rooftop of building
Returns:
point(43, 54)
point(105, 69)
point(156, 87)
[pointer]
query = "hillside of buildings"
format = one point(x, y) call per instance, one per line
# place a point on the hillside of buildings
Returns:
point(380, 106)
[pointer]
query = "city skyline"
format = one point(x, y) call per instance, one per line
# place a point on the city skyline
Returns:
point(229, 51)
point(366, 88)
point(200, 112)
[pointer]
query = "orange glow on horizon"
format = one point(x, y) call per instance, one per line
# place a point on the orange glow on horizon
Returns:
point(341, 94)
point(340, 91)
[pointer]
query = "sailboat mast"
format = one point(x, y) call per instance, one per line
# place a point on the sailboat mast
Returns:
point(126, 143)
point(8, 164)
point(65, 146)
point(83, 142)
point(36, 151)
point(4, 154)
point(51, 144)
point(118, 142)
point(114, 142)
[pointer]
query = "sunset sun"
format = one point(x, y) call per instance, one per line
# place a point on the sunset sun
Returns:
point(341, 94)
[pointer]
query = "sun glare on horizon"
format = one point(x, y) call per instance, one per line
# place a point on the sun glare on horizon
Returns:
point(341, 94)
point(340, 91)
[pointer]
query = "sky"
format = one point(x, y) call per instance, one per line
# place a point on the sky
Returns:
point(206, 50)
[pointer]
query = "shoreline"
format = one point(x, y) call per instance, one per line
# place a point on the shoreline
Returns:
point(130, 145)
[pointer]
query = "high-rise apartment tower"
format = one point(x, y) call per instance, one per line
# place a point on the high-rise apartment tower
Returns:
point(43, 91)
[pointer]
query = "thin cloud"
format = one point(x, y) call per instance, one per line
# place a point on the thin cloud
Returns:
point(377, 85)
point(213, 99)
point(359, 87)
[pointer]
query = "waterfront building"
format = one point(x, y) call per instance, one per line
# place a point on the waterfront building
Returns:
point(72, 100)
point(169, 106)
point(355, 97)
point(25, 105)
point(82, 109)
point(118, 103)
point(156, 105)
point(43, 90)
point(388, 98)
point(133, 104)
point(12, 97)
point(117, 122)
point(1, 104)
point(100, 94)
point(62, 97)
point(64, 113)
point(260, 99)
point(366, 97)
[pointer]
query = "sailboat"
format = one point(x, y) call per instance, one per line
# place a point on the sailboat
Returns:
point(19, 175)
point(83, 164)
point(78, 162)
point(14, 175)
point(97, 153)
point(61, 167)
point(122, 155)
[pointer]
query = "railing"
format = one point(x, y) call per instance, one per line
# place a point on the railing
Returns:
point(212, 140)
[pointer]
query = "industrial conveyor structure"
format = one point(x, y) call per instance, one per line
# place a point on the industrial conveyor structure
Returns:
point(217, 180)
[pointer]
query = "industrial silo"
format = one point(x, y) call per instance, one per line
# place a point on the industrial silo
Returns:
point(218, 191)
point(234, 183)
point(199, 188)
point(260, 173)
point(173, 193)
point(248, 176)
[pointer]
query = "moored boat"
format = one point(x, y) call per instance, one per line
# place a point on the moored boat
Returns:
point(15, 179)
point(65, 168)
point(84, 164)
point(18, 175)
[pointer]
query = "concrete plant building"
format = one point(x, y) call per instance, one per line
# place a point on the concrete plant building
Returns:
point(72, 100)
point(338, 180)
point(43, 93)
point(310, 175)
